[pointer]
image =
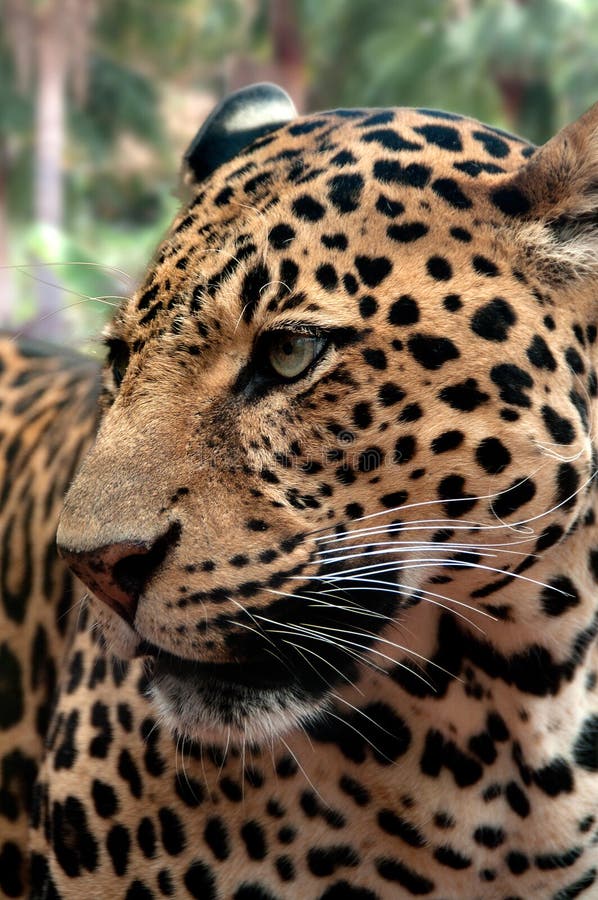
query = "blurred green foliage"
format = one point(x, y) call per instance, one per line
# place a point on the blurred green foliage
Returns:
point(526, 65)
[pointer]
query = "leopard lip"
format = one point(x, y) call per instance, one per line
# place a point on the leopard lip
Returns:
point(247, 674)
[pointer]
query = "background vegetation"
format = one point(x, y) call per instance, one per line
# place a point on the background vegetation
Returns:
point(98, 99)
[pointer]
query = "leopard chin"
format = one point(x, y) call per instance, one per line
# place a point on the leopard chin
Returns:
point(228, 704)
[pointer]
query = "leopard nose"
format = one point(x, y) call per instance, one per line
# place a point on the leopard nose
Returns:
point(117, 573)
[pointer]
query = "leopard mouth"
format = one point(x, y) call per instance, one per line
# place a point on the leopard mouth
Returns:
point(231, 676)
point(223, 702)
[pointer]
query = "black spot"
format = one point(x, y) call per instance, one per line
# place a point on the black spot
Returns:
point(446, 856)
point(74, 845)
point(381, 733)
point(399, 827)
point(249, 891)
point(389, 171)
point(448, 440)
point(253, 283)
point(407, 232)
point(405, 448)
point(539, 354)
point(512, 498)
point(464, 396)
point(411, 413)
point(139, 891)
point(456, 502)
point(517, 799)
point(355, 790)
point(350, 283)
point(492, 455)
point(442, 136)
point(11, 869)
point(362, 414)
point(518, 863)
point(342, 159)
point(373, 269)
point(439, 268)
point(574, 361)
point(66, 752)
point(104, 798)
point(493, 320)
point(390, 393)
point(511, 201)
point(389, 208)
point(336, 241)
point(370, 459)
point(200, 881)
point(216, 837)
point(375, 358)
point(368, 306)
point(345, 192)
point(404, 311)
point(222, 198)
point(452, 302)
point(449, 190)
point(147, 297)
point(571, 891)
point(257, 525)
point(484, 266)
point(412, 881)
point(189, 790)
point(493, 145)
point(146, 837)
point(549, 861)
point(342, 890)
point(389, 139)
point(281, 236)
point(560, 429)
point(118, 844)
point(397, 498)
point(327, 277)
point(129, 772)
point(474, 167)
point(554, 778)
point(512, 382)
point(172, 831)
point(324, 861)
point(308, 209)
point(432, 351)
point(488, 836)
point(254, 838)
point(558, 596)
point(11, 688)
point(461, 234)
point(585, 748)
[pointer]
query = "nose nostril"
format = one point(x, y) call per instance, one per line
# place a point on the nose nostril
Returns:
point(117, 573)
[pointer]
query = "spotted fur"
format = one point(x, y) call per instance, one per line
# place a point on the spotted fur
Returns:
point(341, 641)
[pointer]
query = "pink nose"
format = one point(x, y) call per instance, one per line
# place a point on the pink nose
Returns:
point(117, 573)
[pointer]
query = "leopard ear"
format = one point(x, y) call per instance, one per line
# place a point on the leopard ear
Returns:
point(238, 120)
point(553, 202)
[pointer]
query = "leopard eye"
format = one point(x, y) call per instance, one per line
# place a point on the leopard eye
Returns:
point(118, 360)
point(291, 353)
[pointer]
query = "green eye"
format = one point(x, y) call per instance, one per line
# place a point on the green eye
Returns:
point(291, 353)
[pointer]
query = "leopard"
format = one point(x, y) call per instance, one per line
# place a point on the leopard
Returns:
point(321, 617)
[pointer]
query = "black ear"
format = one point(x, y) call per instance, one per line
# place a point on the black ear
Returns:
point(237, 121)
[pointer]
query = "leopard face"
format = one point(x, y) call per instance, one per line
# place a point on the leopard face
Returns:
point(353, 396)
